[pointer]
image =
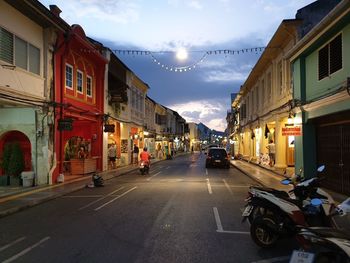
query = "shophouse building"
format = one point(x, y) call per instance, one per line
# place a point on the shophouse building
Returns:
point(179, 136)
point(79, 104)
point(194, 136)
point(161, 127)
point(265, 101)
point(136, 111)
point(28, 33)
point(321, 99)
point(150, 126)
point(115, 111)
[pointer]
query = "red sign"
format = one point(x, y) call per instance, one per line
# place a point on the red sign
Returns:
point(291, 131)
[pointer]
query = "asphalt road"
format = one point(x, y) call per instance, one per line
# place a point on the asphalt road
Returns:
point(180, 212)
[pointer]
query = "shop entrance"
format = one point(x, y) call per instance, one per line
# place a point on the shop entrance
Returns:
point(333, 150)
point(22, 139)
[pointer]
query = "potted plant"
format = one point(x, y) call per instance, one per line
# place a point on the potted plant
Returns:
point(13, 162)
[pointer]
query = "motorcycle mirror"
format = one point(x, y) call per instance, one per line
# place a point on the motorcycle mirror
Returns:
point(321, 168)
point(285, 181)
point(316, 202)
point(345, 205)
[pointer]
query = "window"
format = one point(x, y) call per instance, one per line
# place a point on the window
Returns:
point(69, 76)
point(19, 52)
point(89, 86)
point(79, 81)
point(263, 93)
point(34, 59)
point(330, 58)
point(6, 46)
point(279, 77)
point(269, 87)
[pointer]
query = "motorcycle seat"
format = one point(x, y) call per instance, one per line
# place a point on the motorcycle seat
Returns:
point(279, 193)
point(327, 232)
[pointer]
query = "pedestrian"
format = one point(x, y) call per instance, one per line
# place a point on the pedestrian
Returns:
point(272, 152)
point(135, 154)
point(192, 149)
point(112, 155)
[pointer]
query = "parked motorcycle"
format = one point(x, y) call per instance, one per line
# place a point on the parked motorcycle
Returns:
point(144, 167)
point(274, 214)
point(97, 180)
point(321, 244)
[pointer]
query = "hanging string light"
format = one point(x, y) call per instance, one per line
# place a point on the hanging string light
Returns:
point(190, 67)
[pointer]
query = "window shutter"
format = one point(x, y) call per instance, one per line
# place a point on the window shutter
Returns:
point(335, 54)
point(6, 46)
point(323, 63)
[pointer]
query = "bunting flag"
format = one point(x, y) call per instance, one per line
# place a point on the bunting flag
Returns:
point(267, 131)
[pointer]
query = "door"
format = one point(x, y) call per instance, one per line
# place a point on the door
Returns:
point(333, 150)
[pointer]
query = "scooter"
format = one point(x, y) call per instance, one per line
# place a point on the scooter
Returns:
point(321, 244)
point(97, 180)
point(274, 214)
point(144, 167)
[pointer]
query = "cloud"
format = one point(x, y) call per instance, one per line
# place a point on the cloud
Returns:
point(210, 112)
point(119, 12)
point(195, 5)
point(224, 76)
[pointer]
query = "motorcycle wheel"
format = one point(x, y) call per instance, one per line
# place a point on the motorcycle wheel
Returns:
point(259, 211)
point(260, 232)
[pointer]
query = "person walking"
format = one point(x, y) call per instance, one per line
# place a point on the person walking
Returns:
point(112, 155)
point(135, 154)
point(272, 152)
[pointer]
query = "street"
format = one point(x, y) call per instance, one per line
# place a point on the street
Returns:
point(180, 212)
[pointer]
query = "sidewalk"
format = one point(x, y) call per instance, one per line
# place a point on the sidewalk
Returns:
point(268, 178)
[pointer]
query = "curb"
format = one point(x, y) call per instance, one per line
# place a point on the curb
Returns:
point(249, 175)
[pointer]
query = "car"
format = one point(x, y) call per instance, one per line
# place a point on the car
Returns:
point(206, 148)
point(217, 157)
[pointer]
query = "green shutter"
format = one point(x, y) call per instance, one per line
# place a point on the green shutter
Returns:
point(6, 46)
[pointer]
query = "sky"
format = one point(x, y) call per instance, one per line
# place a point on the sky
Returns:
point(201, 93)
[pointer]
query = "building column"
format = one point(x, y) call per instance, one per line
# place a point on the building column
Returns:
point(280, 143)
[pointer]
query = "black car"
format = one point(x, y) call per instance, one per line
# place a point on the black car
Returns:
point(217, 157)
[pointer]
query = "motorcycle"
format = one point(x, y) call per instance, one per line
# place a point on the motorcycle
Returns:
point(97, 180)
point(274, 214)
point(144, 167)
point(321, 244)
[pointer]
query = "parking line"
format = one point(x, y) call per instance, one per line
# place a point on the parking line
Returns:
point(220, 229)
point(89, 204)
point(228, 187)
point(148, 179)
point(25, 251)
point(217, 219)
point(12, 243)
point(98, 208)
point(209, 186)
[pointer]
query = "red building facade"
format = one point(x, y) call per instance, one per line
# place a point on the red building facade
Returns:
point(79, 99)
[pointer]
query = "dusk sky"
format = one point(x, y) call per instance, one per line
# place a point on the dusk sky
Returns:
point(201, 93)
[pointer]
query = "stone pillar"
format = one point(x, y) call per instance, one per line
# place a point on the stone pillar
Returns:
point(281, 146)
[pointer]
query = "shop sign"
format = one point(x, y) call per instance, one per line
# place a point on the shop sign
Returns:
point(291, 131)
point(109, 128)
point(65, 124)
